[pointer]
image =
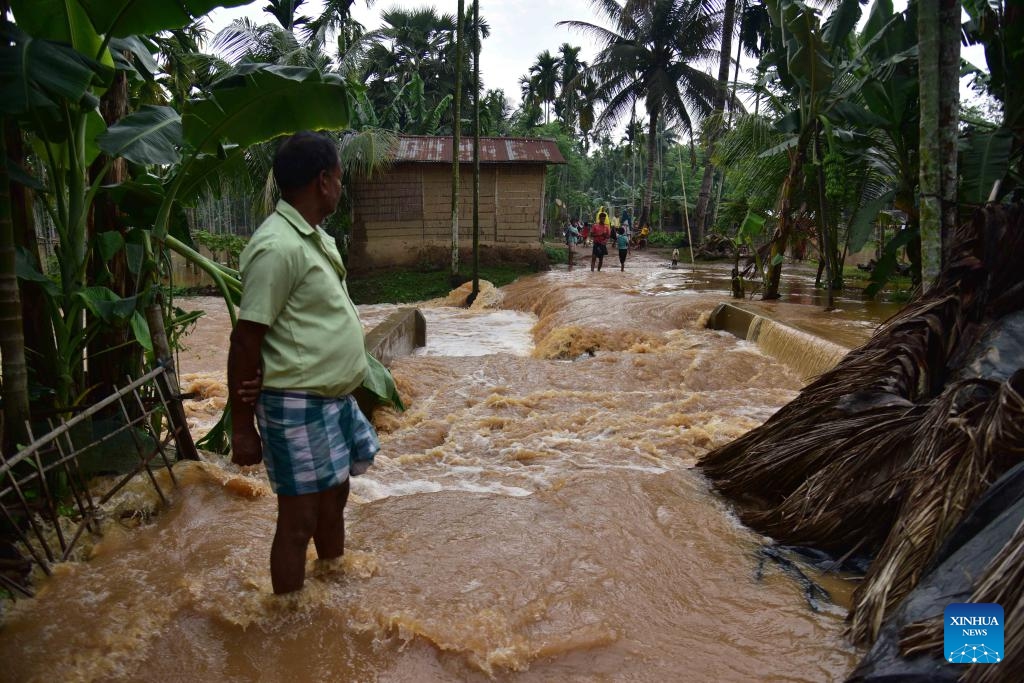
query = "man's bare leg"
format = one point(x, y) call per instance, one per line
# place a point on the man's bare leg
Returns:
point(329, 536)
point(296, 523)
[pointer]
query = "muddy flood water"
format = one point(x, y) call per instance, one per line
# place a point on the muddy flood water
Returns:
point(533, 516)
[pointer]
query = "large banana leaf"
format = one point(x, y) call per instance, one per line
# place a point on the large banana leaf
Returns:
point(842, 22)
point(130, 17)
point(152, 135)
point(806, 55)
point(141, 53)
point(40, 74)
point(62, 21)
point(986, 160)
point(879, 17)
point(257, 102)
point(863, 222)
point(204, 174)
point(751, 228)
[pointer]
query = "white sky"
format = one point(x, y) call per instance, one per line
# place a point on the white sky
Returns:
point(520, 29)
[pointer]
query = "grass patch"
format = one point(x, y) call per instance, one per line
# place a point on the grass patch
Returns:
point(406, 286)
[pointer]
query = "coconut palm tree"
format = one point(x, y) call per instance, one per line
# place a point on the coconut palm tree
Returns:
point(336, 18)
point(544, 75)
point(586, 92)
point(411, 41)
point(724, 59)
point(571, 67)
point(653, 54)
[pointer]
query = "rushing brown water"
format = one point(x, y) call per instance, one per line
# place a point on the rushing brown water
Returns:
point(533, 516)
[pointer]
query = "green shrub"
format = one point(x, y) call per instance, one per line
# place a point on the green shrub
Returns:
point(222, 246)
point(665, 239)
point(556, 254)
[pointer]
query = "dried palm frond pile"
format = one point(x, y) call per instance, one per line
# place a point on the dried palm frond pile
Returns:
point(1003, 584)
point(883, 454)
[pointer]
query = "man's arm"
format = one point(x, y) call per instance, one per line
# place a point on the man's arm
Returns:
point(243, 365)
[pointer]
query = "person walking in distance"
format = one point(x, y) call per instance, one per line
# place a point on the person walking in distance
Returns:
point(622, 242)
point(600, 234)
point(297, 321)
point(572, 235)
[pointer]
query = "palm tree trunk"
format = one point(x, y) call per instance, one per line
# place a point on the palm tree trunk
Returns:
point(939, 54)
point(12, 336)
point(456, 140)
point(949, 119)
point(36, 305)
point(476, 150)
point(652, 150)
point(704, 198)
point(825, 246)
point(106, 368)
point(781, 237)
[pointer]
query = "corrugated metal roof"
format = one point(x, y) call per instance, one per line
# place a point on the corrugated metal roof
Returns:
point(435, 149)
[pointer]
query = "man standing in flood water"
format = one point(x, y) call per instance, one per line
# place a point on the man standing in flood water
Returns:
point(296, 321)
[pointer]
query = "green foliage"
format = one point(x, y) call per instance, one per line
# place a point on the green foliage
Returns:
point(557, 255)
point(985, 161)
point(226, 246)
point(886, 265)
point(658, 238)
point(150, 136)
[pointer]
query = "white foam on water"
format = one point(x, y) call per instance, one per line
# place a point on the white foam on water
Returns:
point(371, 489)
point(461, 332)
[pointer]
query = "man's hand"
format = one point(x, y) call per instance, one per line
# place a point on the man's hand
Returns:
point(246, 448)
point(249, 390)
point(244, 381)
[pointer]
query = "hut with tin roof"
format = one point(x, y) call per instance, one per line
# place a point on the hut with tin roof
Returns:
point(402, 215)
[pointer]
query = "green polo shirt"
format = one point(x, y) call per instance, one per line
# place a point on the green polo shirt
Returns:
point(293, 282)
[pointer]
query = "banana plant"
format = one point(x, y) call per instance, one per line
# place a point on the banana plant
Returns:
point(993, 163)
point(821, 67)
point(409, 110)
point(55, 64)
point(253, 103)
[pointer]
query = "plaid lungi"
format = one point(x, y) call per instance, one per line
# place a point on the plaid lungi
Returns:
point(311, 443)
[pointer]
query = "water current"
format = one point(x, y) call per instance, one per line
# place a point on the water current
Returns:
point(534, 515)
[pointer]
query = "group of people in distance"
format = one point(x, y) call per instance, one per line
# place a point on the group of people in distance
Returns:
point(606, 228)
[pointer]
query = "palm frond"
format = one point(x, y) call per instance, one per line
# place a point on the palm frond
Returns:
point(367, 152)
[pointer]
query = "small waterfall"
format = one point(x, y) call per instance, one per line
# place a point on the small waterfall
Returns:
point(803, 352)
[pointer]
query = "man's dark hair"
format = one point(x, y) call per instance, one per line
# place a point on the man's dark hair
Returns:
point(301, 158)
